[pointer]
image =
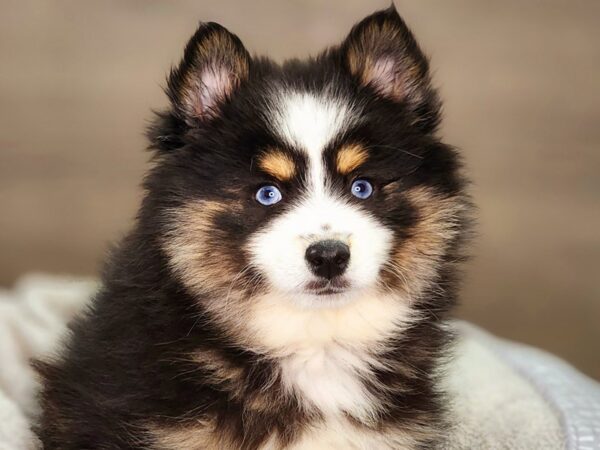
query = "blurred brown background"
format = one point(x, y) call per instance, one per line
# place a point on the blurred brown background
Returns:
point(522, 99)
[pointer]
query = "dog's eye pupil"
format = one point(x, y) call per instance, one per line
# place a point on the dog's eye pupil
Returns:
point(268, 195)
point(362, 189)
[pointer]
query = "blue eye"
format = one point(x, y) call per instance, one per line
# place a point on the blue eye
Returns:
point(268, 195)
point(362, 189)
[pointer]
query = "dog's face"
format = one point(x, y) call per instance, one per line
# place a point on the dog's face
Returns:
point(316, 183)
point(327, 242)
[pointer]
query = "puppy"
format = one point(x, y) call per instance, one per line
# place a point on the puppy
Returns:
point(293, 261)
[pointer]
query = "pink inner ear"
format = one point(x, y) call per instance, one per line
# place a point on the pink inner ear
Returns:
point(215, 85)
point(382, 74)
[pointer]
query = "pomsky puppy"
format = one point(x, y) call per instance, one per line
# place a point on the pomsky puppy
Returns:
point(292, 265)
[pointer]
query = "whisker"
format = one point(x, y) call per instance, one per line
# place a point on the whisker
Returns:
point(395, 148)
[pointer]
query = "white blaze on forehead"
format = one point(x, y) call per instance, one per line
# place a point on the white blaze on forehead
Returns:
point(309, 122)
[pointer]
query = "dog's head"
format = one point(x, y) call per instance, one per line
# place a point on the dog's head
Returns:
point(315, 182)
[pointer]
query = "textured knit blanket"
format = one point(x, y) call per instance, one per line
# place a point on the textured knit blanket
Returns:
point(505, 395)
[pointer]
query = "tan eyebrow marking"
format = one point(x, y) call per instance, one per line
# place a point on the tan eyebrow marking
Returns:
point(278, 164)
point(350, 157)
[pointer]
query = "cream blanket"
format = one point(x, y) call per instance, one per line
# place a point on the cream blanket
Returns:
point(506, 396)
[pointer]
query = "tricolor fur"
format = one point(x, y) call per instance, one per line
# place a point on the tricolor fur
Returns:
point(211, 331)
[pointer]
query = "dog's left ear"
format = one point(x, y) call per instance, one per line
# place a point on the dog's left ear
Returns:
point(381, 53)
point(214, 64)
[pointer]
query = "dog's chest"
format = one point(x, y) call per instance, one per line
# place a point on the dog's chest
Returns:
point(330, 379)
point(327, 356)
point(328, 361)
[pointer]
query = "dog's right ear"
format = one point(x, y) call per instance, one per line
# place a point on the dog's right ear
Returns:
point(381, 53)
point(214, 64)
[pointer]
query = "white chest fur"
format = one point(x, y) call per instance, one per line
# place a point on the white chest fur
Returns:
point(329, 378)
point(325, 353)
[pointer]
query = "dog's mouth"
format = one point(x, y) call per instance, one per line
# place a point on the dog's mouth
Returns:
point(337, 285)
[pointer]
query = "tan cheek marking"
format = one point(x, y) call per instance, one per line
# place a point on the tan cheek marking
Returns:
point(204, 261)
point(416, 260)
point(349, 158)
point(278, 164)
point(194, 248)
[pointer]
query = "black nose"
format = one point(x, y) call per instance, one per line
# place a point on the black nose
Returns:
point(328, 259)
